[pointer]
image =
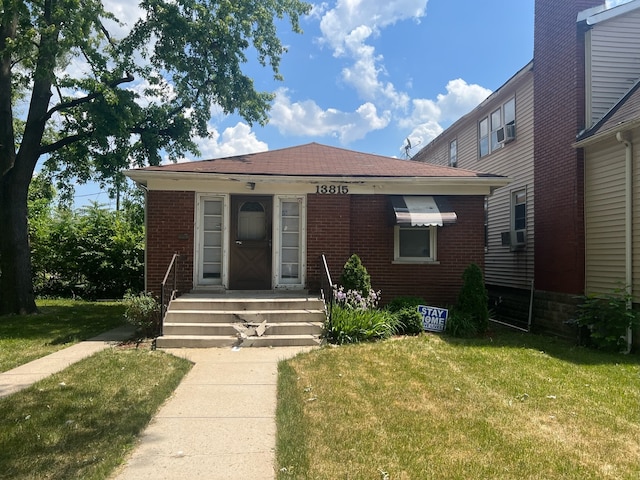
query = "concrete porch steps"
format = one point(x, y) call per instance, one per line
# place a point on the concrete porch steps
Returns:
point(256, 319)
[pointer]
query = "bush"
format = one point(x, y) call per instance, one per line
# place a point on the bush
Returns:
point(607, 319)
point(473, 301)
point(355, 276)
point(143, 312)
point(409, 321)
point(358, 325)
point(406, 310)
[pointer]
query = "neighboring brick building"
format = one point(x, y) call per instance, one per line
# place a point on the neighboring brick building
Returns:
point(585, 61)
point(262, 221)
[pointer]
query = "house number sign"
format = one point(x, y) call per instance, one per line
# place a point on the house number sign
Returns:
point(332, 189)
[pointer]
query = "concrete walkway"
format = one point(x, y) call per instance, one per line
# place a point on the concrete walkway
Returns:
point(220, 421)
point(23, 376)
point(218, 424)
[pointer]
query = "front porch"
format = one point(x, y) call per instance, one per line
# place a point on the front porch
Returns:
point(243, 319)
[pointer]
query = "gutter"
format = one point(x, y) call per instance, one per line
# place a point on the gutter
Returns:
point(624, 138)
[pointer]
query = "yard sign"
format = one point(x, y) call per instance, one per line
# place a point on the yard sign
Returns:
point(434, 319)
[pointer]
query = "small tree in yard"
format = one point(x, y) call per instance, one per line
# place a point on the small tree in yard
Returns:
point(355, 276)
point(471, 313)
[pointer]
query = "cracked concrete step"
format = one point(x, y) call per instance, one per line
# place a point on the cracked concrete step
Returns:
point(248, 316)
point(222, 329)
point(197, 303)
point(206, 341)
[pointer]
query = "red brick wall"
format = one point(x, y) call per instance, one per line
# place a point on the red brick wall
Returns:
point(558, 168)
point(170, 227)
point(370, 235)
point(328, 220)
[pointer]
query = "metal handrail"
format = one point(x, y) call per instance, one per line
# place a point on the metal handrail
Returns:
point(163, 308)
point(327, 289)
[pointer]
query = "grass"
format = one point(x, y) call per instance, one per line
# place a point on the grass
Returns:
point(59, 324)
point(507, 406)
point(81, 422)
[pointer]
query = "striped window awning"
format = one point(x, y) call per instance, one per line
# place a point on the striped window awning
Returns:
point(422, 211)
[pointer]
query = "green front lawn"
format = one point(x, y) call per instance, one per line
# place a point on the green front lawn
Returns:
point(508, 406)
point(81, 423)
point(60, 323)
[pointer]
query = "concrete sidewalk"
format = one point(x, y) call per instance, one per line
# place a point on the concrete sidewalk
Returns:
point(220, 421)
point(23, 376)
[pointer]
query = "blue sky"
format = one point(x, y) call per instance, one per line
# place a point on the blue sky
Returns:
point(367, 74)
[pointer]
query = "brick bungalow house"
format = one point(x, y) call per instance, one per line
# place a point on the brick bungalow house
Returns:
point(540, 235)
point(260, 222)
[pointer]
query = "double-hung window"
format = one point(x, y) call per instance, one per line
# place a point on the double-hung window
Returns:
point(497, 129)
point(453, 153)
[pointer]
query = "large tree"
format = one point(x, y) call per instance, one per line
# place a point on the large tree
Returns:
point(91, 104)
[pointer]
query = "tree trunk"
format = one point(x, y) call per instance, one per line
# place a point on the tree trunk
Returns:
point(16, 285)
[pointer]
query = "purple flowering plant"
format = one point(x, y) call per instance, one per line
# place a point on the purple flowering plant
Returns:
point(355, 300)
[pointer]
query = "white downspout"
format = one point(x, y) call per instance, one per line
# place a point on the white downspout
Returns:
point(623, 138)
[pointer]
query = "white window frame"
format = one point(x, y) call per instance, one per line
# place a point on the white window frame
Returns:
point(433, 243)
point(453, 153)
point(493, 124)
point(514, 203)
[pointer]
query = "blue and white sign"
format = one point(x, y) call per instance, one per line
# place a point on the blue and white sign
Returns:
point(434, 319)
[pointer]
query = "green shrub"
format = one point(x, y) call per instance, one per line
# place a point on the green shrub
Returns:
point(143, 312)
point(607, 319)
point(461, 324)
point(355, 276)
point(357, 325)
point(399, 303)
point(409, 321)
point(473, 301)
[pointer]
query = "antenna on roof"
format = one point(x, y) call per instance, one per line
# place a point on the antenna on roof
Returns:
point(408, 147)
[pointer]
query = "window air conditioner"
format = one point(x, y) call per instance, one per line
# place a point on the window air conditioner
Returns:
point(516, 239)
point(507, 133)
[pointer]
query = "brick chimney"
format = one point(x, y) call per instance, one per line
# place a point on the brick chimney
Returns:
point(559, 110)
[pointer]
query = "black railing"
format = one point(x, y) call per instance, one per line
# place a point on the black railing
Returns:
point(327, 289)
point(164, 300)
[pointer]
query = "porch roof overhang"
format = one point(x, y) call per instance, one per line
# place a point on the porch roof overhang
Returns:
point(199, 181)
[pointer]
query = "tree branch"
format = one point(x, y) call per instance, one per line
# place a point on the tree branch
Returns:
point(88, 98)
point(52, 147)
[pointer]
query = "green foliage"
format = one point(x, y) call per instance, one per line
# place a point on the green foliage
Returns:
point(185, 58)
point(355, 276)
point(461, 324)
point(406, 310)
point(143, 312)
point(409, 321)
point(93, 252)
point(357, 325)
point(607, 318)
point(472, 306)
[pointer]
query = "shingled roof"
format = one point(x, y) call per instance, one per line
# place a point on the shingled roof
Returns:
point(317, 160)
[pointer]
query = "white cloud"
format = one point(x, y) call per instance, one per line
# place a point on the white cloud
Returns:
point(346, 29)
point(306, 118)
point(427, 116)
point(238, 140)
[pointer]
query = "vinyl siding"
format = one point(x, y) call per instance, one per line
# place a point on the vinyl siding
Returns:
point(614, 63)
point(605, 217)
point(515, 160)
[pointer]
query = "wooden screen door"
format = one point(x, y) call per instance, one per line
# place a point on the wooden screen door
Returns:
point(250, 252)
